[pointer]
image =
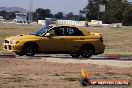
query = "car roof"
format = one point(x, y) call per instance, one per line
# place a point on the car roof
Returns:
point(81, 29)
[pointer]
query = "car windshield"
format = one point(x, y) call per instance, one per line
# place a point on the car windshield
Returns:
point(41, 30)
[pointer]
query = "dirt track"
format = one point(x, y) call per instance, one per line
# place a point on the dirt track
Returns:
point(64, 72)
point(57, 73)
point(108, 62)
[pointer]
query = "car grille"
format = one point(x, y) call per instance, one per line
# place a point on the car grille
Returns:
point(6, 41)
point(5, 47)
point(9, 47)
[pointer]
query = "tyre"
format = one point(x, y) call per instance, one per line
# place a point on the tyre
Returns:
point(75, 55)
point(20, 54)
point(86, 51)
point(84, 82)
point(30, 49)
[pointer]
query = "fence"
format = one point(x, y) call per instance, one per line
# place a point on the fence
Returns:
point(65, 22)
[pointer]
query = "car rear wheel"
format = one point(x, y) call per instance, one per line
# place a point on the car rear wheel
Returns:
point(86, 51)
point(30, 49)
point(75, 55)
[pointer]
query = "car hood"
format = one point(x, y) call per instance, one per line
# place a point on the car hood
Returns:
point(23, 37)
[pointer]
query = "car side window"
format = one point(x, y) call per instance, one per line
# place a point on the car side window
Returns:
point(57, 31)
point(72, 31)
point(52, 32)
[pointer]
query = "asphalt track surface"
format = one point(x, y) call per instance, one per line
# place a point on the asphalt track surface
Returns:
point(109, 60)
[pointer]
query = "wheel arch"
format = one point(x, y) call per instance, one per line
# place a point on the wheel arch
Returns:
point(31, 42)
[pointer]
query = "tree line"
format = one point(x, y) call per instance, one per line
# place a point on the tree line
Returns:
point(8, 15)
point(41, 14)
point(116, 11)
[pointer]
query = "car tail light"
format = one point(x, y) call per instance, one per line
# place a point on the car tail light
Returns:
point(101, 39)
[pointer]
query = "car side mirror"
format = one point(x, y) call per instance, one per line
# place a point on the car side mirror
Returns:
point(49, 35)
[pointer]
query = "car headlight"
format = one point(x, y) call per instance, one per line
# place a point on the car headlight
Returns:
point(12, 41)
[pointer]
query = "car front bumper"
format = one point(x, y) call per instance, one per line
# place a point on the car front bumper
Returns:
point(12, 47)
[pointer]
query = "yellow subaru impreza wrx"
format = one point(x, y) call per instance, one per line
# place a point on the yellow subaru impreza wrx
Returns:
point(71, 40)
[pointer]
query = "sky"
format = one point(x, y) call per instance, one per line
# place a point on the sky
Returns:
point(55, 6)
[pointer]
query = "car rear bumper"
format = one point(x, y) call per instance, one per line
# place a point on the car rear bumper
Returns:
point(100, 49)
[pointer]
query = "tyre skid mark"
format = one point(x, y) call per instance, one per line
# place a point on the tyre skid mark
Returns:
point(112, 56)
point(7, 55)
point(104, 57)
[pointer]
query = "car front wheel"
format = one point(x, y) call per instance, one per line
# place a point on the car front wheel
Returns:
point(20, 54)
point(30, 49)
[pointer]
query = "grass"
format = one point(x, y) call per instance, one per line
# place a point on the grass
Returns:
point(1, 35)
point(7, 30)
point(116, 40)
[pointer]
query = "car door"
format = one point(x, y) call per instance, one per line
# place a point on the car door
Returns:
point(73, 38)
point(53, 43)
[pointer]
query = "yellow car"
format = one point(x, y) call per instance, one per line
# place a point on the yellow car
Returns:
point(71, 40)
